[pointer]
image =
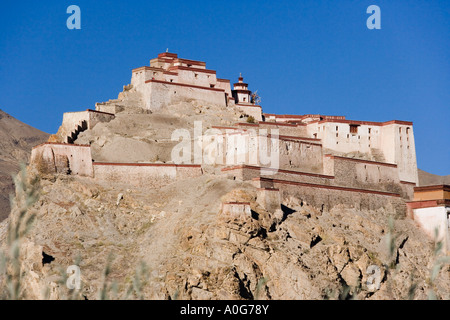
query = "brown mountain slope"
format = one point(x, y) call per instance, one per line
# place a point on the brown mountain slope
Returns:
point(426, 179)
point(16, 141)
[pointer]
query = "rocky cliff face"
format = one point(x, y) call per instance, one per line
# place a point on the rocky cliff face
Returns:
point(16, 141)
point(192, 248)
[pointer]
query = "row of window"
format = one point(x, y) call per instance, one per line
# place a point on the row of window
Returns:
point(354, 129)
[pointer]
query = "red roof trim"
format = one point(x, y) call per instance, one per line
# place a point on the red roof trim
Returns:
point(223, 127)
point(368, 123)
point(166, 60)
point(241, 203)
point(146, 164)
point(171, 73)
point(188, 61)
point(245, 166)
point(61, 144)
point(241, 91)
point(439, 187)
point(278, 124)
point(362, 161)
point(167, 54)
point(247, 105)
point(408, 182)
point(311, 185)
point(268, 189)
point(111, 114)
point(247, 124)
point(192, 69)
point(427, 203)
point(275, 124)
point(144, 68)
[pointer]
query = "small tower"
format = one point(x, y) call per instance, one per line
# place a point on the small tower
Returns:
point(241, 94)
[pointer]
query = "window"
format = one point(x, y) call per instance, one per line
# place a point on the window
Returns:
point(353, 128)
point(337, 128)
point(369, 130)
point(196, 75)
point(211, 86)
point(407, 130)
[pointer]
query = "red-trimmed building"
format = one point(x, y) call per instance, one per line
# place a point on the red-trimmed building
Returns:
point(170, 78)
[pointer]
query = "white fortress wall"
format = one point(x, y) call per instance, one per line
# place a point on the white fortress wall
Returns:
point(225, 85)
point(70, 122)
point(358, 173)
point(301, 155)
point(286, 129)
point(139, 76)
point(199, 77)
point(144, 175)
point(328, 196)
point(246, 145)
point(346, 137)
point(54, 157)
point(251, 110)
point(236, 209)
point(158, 94)
point(394, 141)
point(398, 147)
point(84, 119)
point(432, 218)
point(247, 172)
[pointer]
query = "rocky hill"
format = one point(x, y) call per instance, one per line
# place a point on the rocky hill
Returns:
point(16, 141)
point(192, 248)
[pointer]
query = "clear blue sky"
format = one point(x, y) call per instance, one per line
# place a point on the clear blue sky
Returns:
point(302, 57)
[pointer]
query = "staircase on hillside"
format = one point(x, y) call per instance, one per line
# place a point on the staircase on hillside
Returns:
point(82, 126)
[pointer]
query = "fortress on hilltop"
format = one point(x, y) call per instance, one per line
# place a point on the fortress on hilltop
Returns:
point(323, 160)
